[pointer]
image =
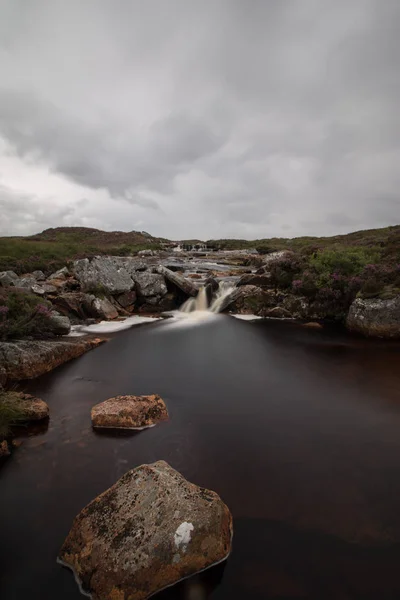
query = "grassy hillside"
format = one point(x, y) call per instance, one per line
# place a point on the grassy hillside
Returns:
point(52, 248)
point(387, 239)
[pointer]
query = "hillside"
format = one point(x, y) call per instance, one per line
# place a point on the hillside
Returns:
point(52, 248)
point(387, 239)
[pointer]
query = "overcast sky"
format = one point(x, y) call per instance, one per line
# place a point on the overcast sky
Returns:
point(200, 118)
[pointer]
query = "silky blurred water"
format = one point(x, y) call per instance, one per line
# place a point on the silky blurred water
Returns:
point(298, 430)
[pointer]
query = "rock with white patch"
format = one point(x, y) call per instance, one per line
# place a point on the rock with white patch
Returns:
point(148, 531)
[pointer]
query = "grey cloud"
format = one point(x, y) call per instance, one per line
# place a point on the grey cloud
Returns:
point(211, 117)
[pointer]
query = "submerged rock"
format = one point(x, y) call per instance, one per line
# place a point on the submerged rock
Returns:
point(129, 412)
point(375, 317)
point(147, 532)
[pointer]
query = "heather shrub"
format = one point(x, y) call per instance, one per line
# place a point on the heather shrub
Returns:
point(23, 314)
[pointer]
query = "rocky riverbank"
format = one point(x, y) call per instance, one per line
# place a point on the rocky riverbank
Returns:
point(276, 285)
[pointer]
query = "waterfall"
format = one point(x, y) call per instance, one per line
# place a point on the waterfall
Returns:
point(200, 303)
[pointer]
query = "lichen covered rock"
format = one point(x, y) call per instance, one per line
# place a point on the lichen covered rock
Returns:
point(129, 412)
point(148, 531)
point(375, 317)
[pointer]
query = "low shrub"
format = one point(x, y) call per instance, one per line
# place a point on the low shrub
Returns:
point(10, 414)
point(23, 314)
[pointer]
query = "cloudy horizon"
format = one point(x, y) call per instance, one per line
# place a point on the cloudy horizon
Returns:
point(200, 119)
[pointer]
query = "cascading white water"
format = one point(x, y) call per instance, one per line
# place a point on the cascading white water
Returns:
point(200, 303)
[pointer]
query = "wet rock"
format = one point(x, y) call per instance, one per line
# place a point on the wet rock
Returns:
point(148, 531)
point(185, 285)
point(375, 317)
point(27, 359)
point(8, 278)
point(313, 325)
point(127, 299)
point(38, 275)
point(59, 324)
point(150, 284)
point(4, 449)
point(102, 272)
point(103, 309)
point(34, 409)
point(195, 276)
point(129, 412)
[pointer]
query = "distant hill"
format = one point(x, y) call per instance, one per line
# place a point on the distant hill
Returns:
point(53, 247)
point(386, 238)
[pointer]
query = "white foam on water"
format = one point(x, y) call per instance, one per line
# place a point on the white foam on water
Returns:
point(111, 326)
point(246, 317)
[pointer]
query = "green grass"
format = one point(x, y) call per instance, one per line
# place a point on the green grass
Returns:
point(10, 414)
point(54, 248)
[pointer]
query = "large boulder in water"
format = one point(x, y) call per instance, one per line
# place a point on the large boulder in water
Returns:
point(129, 412)
point(103, 272)
point(148, 531)
point(375, 317)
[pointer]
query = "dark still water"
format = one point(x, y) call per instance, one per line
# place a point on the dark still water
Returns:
point(298, 430)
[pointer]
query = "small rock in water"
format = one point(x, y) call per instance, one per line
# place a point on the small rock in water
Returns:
point(147, 532)
point(129, 412)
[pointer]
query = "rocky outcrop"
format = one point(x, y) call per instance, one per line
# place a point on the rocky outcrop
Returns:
point(27, 359)
point(375, 317)
point(185, 285)
point(8, 278)
point(148, 531)
point(129, 412)
point(278, 312)
point(29, 407)
point(103, 272)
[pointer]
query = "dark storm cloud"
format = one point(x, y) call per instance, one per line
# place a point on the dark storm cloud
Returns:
point(212, 118)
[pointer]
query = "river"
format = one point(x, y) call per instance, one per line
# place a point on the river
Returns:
point(298, 430)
